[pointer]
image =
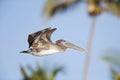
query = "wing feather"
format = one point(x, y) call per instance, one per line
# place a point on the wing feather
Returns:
point(35, 37)
point(49, 33)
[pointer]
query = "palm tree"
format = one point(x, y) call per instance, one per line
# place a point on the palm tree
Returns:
point(94, 9)
point(54, 6)
point(40, 73)
point(94, 6)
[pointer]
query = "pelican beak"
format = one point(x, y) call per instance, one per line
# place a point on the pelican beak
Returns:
point(27, 51)
point(70, 45)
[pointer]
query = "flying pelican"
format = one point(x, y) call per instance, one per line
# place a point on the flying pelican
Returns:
point(40, 44)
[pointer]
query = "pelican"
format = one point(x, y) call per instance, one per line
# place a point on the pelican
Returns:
point(40, 43)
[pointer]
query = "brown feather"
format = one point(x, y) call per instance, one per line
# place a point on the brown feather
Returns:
point(42, 36)
point(32, 37)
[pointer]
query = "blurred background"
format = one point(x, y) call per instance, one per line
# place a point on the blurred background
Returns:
point(91, 24)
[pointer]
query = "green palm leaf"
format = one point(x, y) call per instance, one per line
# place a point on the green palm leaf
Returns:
point(53, 6)
point(24, 73)
point(39, 73)
point(55, 72)
point(113, 6)
point(114, 59)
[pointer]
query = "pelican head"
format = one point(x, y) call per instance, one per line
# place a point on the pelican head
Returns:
point(66, 44)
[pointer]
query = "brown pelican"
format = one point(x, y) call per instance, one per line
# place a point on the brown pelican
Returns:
point(40, 44)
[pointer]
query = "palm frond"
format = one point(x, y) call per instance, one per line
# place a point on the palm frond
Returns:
point(113, 6)
point(53, 6)
point(94, 8)
point(117, 77)
point(55, 72)
point(24, 73)
point(41, 72)
point(114, 59)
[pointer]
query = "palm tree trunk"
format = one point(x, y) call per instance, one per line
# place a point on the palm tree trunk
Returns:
point(88, 57)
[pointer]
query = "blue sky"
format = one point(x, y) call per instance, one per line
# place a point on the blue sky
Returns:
point(18, 18)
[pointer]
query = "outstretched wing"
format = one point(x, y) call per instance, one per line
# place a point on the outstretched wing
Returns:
point(35, 37)
point(45, 37)
point(49, 33)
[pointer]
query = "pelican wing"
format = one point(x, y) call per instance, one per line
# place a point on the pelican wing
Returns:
point(32, 37)
point(35, 37)
point(49, 33)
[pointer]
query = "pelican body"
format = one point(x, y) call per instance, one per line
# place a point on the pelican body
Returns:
point(40, 43)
